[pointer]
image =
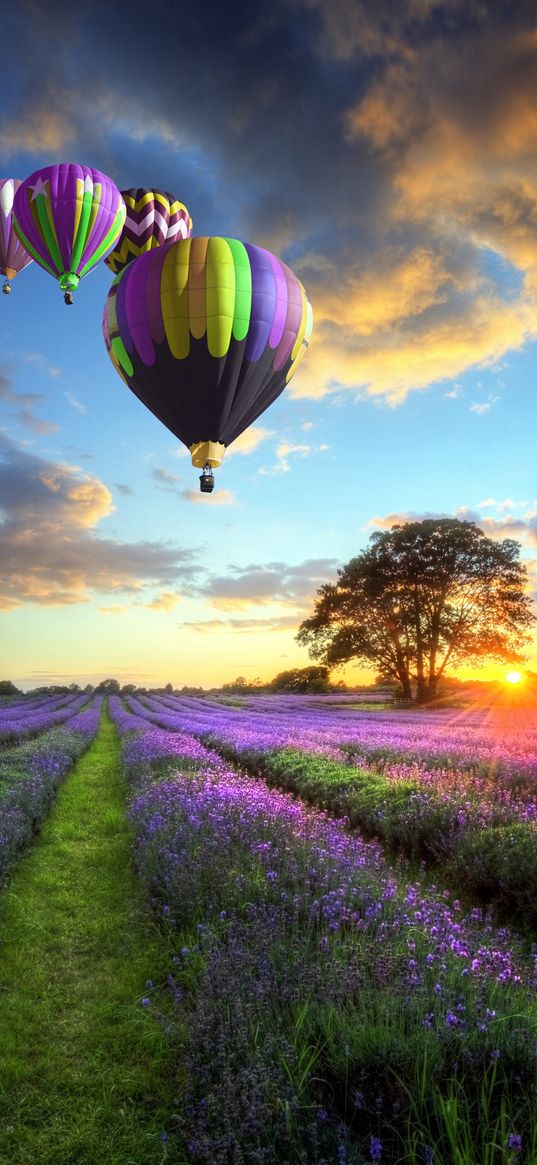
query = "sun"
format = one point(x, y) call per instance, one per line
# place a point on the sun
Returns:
point(513, 677)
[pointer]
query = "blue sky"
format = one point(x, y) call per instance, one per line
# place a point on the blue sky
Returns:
point(359, 143)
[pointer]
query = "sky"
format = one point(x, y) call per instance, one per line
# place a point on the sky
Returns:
point(387, 152)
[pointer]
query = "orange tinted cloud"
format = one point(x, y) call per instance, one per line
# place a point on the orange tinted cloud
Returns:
point(49, 553)
point(452, 149)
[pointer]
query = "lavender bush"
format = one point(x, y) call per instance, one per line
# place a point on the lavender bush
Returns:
point(30, 774)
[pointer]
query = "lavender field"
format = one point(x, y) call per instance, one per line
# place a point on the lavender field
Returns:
point(342, 1007)
point(348, 900)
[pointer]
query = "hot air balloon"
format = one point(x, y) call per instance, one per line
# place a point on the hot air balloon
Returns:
point(154, 217)
point(67, 217)
point(207, 332)
point(13, 257)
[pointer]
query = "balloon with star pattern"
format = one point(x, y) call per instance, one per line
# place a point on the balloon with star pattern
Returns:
point(13, 257)
point(154, 217)
point(67, 218)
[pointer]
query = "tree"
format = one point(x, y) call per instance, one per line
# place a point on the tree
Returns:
point(421, 596)
point(302, 679)
point(108, 688)
point(7, 688)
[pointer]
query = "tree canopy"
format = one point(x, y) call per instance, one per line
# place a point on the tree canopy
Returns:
point(302, 679)
point(424, 595)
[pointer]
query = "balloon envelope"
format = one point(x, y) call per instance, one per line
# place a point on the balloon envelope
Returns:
point(153, 217)
point(67, 218)
point(13, 257)
point(207, 332)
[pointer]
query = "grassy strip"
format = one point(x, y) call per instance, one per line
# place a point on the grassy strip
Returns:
point(497, 865)
point(30, 775)
point(84, 1067)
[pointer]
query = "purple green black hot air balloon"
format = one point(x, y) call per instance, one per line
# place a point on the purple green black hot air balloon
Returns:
point(67, 218)
point(207, 332)
point(154, 217)
point(13, 257)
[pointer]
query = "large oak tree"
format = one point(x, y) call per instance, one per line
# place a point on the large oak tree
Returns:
point(424, 595)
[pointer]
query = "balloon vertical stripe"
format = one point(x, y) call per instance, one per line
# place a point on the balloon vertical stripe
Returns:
point(243, 289)
point(293, 319)
point(174, 297)
point(280, 307)
point(48, 232)
point(196, 288)
point(263, 301)
point(83, 228)
point(152, 301)
point(219, 296)
point(78, 209)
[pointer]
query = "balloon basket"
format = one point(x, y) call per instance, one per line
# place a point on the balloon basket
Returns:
point(206, 480)
point(6, 288)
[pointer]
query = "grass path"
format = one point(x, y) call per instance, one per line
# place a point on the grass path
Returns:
point(85, 1072)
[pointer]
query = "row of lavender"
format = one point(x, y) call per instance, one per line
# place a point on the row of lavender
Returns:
point(479, 825)
point(334, 1010)
point(500, 741)
point(20, 720)
point(30, 772)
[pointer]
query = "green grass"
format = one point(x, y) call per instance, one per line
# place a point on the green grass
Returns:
point(85, 1070)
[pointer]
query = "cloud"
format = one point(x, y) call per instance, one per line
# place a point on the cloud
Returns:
point(124, 489)
point(249, 441)
point(166, 601)
point(24, 403)
point(39, 130)
point(242, 626)
point(117, 609)
point(287, 449)
point(166, 480)
point(39, 361)
point(268, 583)
point(220, 497)
point(74, 402)
point(49, 551)
point(521, 530)
point(486, 406)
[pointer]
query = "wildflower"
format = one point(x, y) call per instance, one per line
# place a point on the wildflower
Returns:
point(375, 1149)
point(145, 1002)
point(514, 1142)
